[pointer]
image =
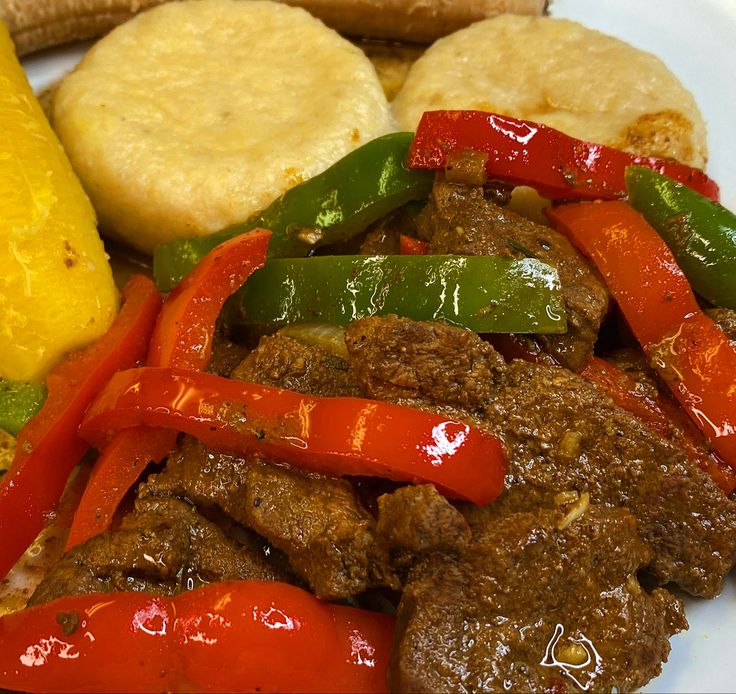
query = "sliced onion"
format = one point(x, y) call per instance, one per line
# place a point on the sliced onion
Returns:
point(327, 336)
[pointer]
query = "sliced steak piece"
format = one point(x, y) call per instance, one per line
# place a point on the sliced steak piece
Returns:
point(460, 219)
point(417, 520)
point(163, 547)
point(383, 239)
point(562, 433)
point(675, 425)
point(535, 603)
point(317, 521)
point(565, 433)
point(284, 362)
point(634, 363)
point(406, 361)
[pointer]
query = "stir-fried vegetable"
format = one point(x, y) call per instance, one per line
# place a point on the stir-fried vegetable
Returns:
point(526, 153)
point(19, 401)
point(186, 327)
point(334, 436)
point(689, 351)
point(183, 338)
point(334, 206)
point(700, 233)
point(482, 293)
point(226, 637)
point(48, 447)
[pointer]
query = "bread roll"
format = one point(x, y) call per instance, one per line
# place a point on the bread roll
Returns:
point(39, 24)
point(419, 21)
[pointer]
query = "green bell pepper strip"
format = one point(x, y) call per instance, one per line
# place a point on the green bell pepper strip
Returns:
point(19, 401)
point(700, 233)
point(483, 293)
point(333, 206)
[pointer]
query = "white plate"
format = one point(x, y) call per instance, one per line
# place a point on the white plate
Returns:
point(696, 40)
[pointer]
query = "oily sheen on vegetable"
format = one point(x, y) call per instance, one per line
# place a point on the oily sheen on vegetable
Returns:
point(329, 208)
point(182, 337)
point(482, 293)
point(48, 446)
point(700, 233)
point(334, 436)
point(226, 637)
point(525, 153)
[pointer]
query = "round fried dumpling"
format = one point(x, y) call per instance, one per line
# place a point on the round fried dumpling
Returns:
point(195, 115)
point(557, 72)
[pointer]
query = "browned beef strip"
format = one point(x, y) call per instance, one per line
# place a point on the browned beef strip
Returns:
point(402, 361)
point(285, 362)
point(163, 547)
point(416, 520)
point(317, 521)
point(679, 429)
point(634, 363)
point(726, 318)
point(460, 219)
point(381, 240)
point(534, 605)
point(566, 433)
point(562, 433)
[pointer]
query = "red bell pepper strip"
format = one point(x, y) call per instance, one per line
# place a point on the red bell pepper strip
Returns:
point(250, 636)
point(408, 245)
point(689, 351)
point(117, 468)
point(185, 330)
point(660, 415)
point(334, 436)
point(183, 338)
point(525, 153)
point(48, 447)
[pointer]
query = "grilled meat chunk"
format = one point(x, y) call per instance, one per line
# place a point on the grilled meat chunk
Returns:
point(417, 362)
point(163, 547)
point(562, 433)
point(416, 520)
point(283, 362)
point(460, 219)
point(317, 521)
point(538, 603)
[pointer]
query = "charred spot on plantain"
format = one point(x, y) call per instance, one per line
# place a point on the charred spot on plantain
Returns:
point(70, 254)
